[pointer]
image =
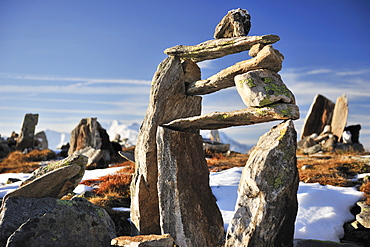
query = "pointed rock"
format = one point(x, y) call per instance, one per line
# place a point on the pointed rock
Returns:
point(235, 24)
point(217, 48)
point(188, 209)
point(319, 115)
point(26, 138)
point(340, 114)
point(267, 58)
point(168, 101)
point(262, 87)
point(246, 116)
point(267, 203)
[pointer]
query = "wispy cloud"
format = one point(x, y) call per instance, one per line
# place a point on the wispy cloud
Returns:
point(75, 89)
point(75, 79)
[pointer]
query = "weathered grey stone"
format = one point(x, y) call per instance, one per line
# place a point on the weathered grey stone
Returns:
point(262, 87)
point(267, 58)
point(235, 24)
point(41, 141)
point(191, 71)
point(340, 114)
point(168, 101)
point(319, 115)
point(94, 156)
point(27, 136)
point(53, 222)
point(267, 196)
point(188, 210)
point(364, 216)
point(355, 132)
point(151, 240)
point(246, 116)
point(55, 180)
point(313, 149)
point(217, 48)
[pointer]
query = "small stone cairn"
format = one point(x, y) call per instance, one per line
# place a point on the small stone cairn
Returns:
point(170, 190)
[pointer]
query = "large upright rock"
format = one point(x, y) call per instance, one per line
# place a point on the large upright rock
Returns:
point(26, 138)
point(340, 115)
point(267, 196)
point(319, 115)
point(168, 101)
point(188, 210)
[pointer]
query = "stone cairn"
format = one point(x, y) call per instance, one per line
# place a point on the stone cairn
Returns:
point(170, 190)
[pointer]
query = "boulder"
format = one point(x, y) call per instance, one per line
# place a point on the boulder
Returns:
point(319, 115)
point(340, 114)
point(246, 116)
point(191, 71)
point(235, 24)
point(53, 222)
point(55, 180)
point(93, 139)
point(217, 48)
point(262, 87)
point(267, 203)
point(188, 209)
point(151, 240)
point(168, 101)
point(27, 135)
point(267, 58)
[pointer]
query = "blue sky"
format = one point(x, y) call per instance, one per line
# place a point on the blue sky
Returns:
point(72, 59)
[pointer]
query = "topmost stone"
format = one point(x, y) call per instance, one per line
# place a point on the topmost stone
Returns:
point(235, 24)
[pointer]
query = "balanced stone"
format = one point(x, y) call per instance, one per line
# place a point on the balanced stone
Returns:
point(262, 87)
point(267, 196)
point(246, 116)
point(235, 24)
point(188, 209)
point(340, 114)
point(267, 58)
point(168, 101)
point(27, 136)
point(217, 48)
point(151, 240)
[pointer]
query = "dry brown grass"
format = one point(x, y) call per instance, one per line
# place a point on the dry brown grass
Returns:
point(365, 187)
point(334, 170)
point(18, 162)
point(219, 162)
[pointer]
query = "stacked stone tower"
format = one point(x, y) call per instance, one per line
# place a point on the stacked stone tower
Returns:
point(170, 190)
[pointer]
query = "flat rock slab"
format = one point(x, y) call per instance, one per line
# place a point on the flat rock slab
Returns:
point(151, 240)
point(262, 87)
point(267, 203)
point(267, 58)
point(48, 185)
point(340, 114)
point(246, 116)
point(217, 48)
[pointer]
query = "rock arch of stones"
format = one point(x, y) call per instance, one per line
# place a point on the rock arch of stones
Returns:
point(170, 190)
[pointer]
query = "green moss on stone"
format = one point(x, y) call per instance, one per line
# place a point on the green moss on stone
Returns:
point(65, 202)
point(248, 81)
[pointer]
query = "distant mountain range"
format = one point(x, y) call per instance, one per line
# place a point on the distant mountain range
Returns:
point(129, 132)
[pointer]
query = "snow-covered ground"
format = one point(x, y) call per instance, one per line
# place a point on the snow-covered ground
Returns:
point(321, 214)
